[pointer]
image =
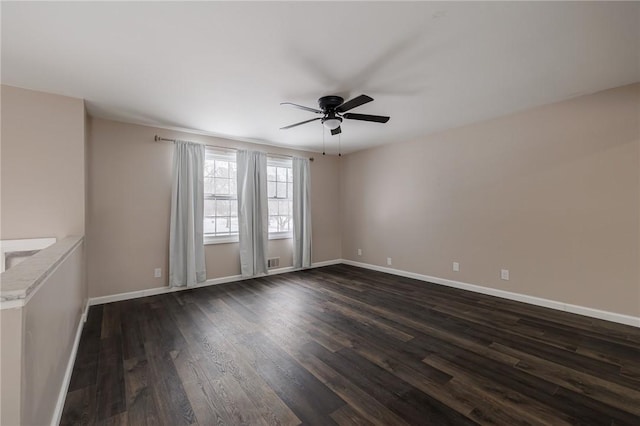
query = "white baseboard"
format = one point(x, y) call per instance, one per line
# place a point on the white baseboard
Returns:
point(128, 295)
point(213, 281)
point(553, 304)
point(538, 301)
point(57, 413)
point(327, 263)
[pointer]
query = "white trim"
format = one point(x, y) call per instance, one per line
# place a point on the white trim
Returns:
point(226, 239)
point(213, 281)
point(99, 300)
point(220, 239)
point(85, 313)
point(283, 235)
point(538, 301)
point(62, 396)
point(327, 263)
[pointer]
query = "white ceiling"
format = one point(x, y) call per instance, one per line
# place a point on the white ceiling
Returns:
point(223, 68)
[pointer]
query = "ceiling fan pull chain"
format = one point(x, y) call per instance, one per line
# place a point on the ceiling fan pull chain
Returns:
point(339, 144)
point(323, 140)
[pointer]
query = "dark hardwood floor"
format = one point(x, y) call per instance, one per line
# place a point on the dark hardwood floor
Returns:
point(343, 345)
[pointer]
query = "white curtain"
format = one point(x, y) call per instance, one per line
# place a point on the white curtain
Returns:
point(301, 213)
point(186, 249)
point(252, 212)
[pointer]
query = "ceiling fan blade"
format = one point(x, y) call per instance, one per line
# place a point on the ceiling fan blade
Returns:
point(336, 131)
point(355, 102)
point(302, 122)
point(317, 111)
point(367, 117)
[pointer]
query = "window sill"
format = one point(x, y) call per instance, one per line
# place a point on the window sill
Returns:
point(280, 235)
point(220, 240)
point(234, 238)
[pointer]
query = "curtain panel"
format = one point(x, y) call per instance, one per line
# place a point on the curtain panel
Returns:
point(252, 212)
point(301, 213)
point(186, 249)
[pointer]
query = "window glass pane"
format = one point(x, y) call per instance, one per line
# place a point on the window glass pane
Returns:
point(222, 168)
point(281, 190)
point(289, 175)
point(233, 170)
point(221, 186)
point(271, 173)
point(281, 174)
point(223, 225)
point(234, 225)
point(283, 207)
point(290, 190)
point(234, 208)
point(208, 185)
point(273, 223)
point(271, 189)
point(233, 189)
point(209, 226)
point(290, 208)
point(209, 207)
point(222, 207)
point(273, 207)
point(208, 168)
point(283, 223)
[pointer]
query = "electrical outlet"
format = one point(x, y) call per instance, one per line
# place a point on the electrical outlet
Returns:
point(504, 274)
point(456, 267)
point(359, 252)
point(388, 261)
point(157, 273)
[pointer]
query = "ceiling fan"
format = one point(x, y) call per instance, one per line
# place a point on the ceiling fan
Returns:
point(334, 109)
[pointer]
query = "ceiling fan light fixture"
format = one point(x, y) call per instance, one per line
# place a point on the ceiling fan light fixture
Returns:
point(332, 123)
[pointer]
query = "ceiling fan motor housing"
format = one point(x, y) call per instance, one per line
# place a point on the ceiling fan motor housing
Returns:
point(329, 103)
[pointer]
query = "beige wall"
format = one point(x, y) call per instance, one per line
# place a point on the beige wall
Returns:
point(10, 365)
point(51, 319)
point(42, 165)
point(129, 202)
point(552, 194)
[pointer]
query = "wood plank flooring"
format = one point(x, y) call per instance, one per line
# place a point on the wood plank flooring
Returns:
point(344, 345)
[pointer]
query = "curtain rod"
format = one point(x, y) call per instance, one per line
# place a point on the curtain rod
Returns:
point(161, 139)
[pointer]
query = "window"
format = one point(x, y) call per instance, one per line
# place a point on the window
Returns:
point(220, 196)
point(280, 195)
